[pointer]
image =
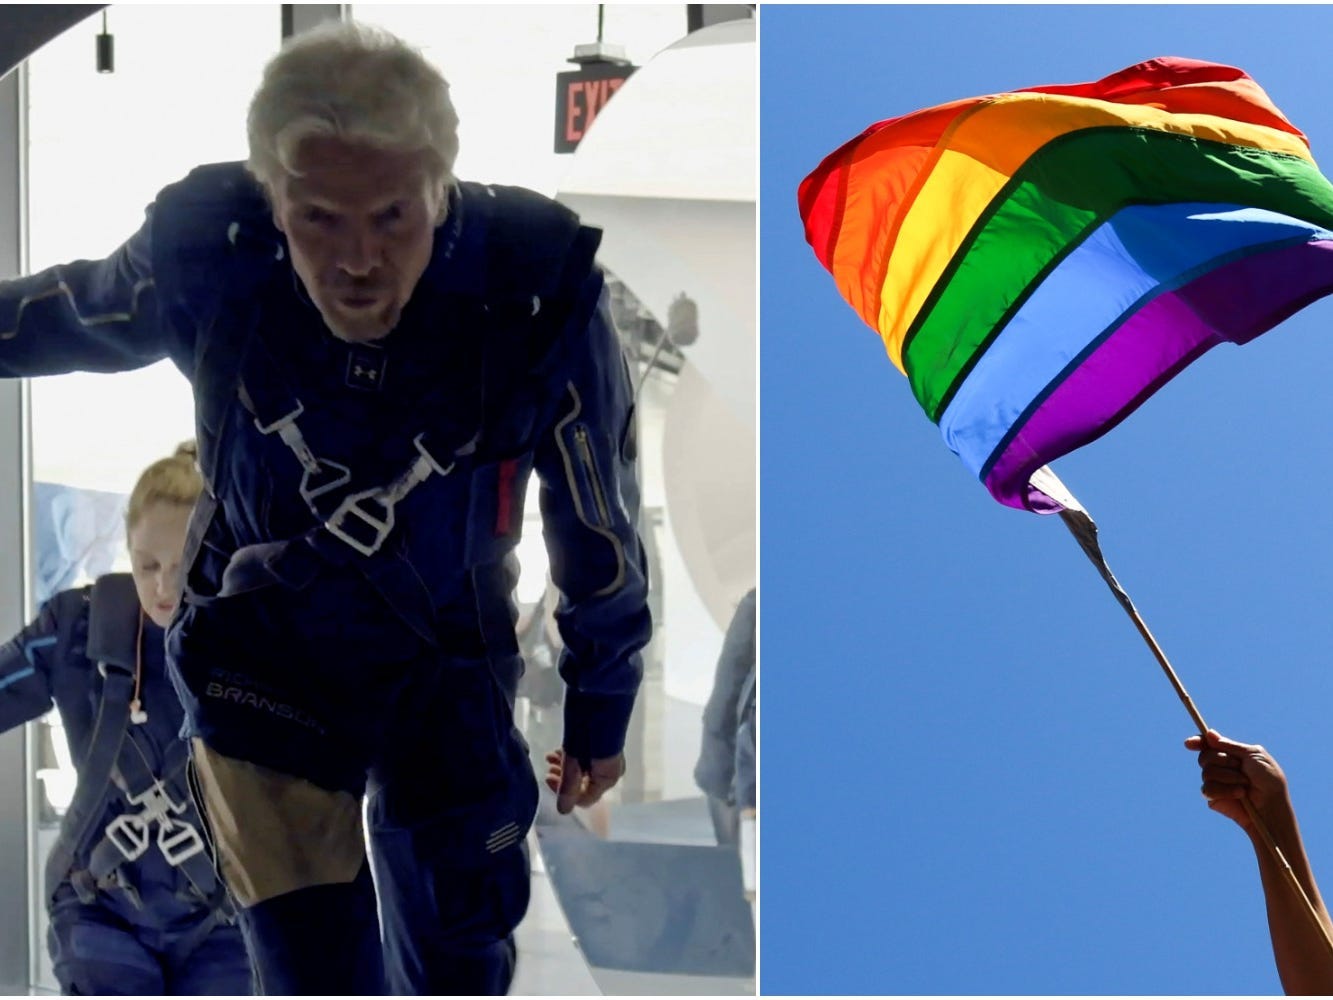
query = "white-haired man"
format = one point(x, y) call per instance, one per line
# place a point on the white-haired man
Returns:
point(381, 356)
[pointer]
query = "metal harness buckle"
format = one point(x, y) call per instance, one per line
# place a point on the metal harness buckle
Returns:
point(129, 835)
point(435, 466)
point(387, 497)
point(343, 475)
point(312, 465)
point(282, 421)
point(178, 842)
point(129, 831)
point(382, 526)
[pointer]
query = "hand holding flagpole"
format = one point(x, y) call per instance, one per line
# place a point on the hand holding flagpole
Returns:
point(1084, 529)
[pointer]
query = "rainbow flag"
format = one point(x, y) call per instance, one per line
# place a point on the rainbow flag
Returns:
point(1040, 262)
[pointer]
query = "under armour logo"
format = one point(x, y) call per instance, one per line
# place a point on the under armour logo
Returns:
point(365, 368)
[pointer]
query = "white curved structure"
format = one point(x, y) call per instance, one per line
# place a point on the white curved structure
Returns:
point(669, 171)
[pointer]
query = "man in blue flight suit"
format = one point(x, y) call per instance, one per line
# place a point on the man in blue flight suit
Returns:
point(381, 356)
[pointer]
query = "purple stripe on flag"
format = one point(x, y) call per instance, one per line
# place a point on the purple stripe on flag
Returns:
point(1236, 303)
point(1139, 253)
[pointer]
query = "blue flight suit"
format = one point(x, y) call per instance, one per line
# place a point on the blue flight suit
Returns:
point(120, 926)
point(348, 625)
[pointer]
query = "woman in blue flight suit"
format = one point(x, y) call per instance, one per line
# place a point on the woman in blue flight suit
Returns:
point(135, 905)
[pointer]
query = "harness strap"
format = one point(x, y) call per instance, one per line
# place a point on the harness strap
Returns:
point(298, 561)
point(86, 808)
point(113, 621)
point(166, 803)
point(354, 530)
point(265, 393)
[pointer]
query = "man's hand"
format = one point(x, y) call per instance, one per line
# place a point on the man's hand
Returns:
point(1234, 771)
point(575, 787)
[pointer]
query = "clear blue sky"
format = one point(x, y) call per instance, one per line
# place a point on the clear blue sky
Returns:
point(972, 773)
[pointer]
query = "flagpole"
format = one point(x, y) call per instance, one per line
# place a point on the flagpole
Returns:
point(1084, 529)
point(1181, 693)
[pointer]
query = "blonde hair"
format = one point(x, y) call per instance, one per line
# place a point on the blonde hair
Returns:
point(173, 480)
point(356, 82)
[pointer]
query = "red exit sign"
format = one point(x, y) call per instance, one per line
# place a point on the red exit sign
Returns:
point(580, 96)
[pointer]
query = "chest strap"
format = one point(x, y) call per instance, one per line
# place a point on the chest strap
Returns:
point(89, 802)
point(165, 802)
point(354, 530)
point(362, 520)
